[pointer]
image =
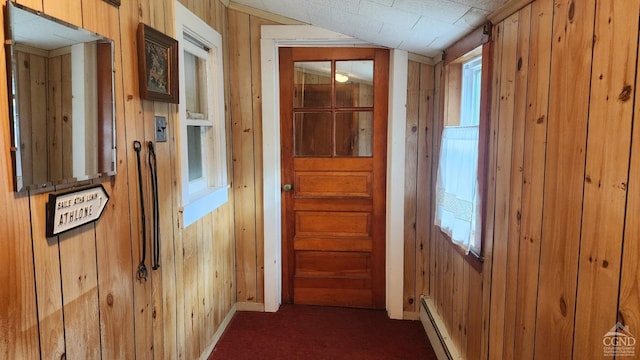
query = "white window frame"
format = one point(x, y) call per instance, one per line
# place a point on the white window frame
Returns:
point(470, 95)
point(197, 199)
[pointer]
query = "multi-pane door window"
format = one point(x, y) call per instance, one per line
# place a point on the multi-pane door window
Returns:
point(333, 115)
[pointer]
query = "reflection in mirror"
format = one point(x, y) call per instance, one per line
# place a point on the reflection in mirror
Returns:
point(62, 101)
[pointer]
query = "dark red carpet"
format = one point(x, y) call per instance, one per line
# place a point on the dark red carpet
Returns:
point(322, 333)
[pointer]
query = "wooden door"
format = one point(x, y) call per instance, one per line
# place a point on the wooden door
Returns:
point(333, 105)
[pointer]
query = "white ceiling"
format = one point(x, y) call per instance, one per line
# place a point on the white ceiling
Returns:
point(29, 28)
point(424, 27)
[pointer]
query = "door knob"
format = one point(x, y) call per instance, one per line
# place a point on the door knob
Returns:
point(287, 187)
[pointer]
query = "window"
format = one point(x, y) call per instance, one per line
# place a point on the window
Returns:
point(459, 184)
point(203, 159)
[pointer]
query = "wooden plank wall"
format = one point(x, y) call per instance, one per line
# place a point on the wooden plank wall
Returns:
point(418, 178)
point(431, 265)
point(564, 245)
point(246, 112)
point(77, 295)
point(561, 245)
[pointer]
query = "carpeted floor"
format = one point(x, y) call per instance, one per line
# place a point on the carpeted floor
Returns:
point(322, 333)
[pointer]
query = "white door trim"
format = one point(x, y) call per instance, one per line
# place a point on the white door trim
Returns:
point(274, 36)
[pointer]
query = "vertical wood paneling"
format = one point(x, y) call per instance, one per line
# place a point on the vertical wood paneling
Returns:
point(33, 4)
point(564, 177)
point(434, 245)
point(629, 302)
point(89, 303)
point(80, 293)
point(37, 90)
point(506, 98)
point(606, 174)
point(46, 264)
point(474, 318)
point(54, 119)
point(18, 313)
point(488, 230)
point(256, 68)
point(243, 154)
point(191, 316)
point(410, 185)
point(533, 176)
point(517, 164)
point(426, 156)
point(69, 10)
point(419, 154)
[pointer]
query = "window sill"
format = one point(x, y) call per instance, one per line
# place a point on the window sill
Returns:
point(471, 258)
point(203, 203)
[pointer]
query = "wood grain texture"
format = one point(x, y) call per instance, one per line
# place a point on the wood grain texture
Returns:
point(46, 257)
point(18, 312)
point(418, 157)
point(628, 309)
point(533, 176)
point(564, 177)
point(515, 197)
point(96, 279)
point(78, 273)
point(426, 157)
point(490, 199)
point(256, 68)
point(606, 174)
point(69, 11)
point(18, 300)
point(243, 154)
point(505, 118)
point(410, 186)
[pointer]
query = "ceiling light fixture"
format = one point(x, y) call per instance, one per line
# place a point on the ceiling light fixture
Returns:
point(341, 78)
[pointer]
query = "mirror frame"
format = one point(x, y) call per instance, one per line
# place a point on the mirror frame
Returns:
point(105, 111)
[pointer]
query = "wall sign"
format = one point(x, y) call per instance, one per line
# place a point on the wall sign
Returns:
point(71, 209)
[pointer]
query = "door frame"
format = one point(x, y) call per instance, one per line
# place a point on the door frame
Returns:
point(272, 37)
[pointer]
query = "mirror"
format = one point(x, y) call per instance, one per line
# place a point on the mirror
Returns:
point(61, 97)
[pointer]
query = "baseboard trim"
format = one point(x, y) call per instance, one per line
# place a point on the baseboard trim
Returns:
point(436, 331)
point(250, 306)
point(218, 334)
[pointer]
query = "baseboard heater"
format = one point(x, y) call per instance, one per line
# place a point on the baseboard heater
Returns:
point(436, 331)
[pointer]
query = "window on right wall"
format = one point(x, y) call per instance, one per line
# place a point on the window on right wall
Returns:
point(460, 175)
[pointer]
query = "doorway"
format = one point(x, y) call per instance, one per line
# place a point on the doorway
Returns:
point(333, 110)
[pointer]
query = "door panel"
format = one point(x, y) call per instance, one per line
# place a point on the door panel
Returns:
point(333, 184)
point(333, 131)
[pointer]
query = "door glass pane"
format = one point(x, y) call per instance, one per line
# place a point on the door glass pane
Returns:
point(194, 152)
point(354, 83)
point(195, 74)
point(353, 133)
point(312, 84)
point(312, 134)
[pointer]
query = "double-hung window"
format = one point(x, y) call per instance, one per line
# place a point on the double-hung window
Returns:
point(203, 160)
point(459, 183)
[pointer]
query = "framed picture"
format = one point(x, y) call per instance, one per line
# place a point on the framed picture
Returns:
point(157, 65)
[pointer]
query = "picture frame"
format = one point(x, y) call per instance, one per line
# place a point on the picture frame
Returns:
point(157, 65)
